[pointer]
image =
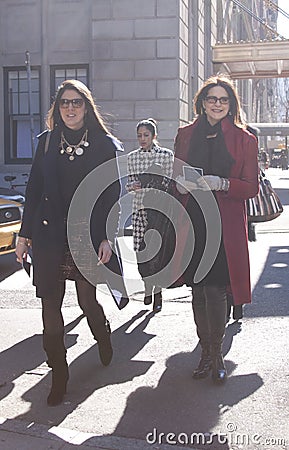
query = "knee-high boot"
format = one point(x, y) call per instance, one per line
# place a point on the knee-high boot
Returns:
point(203, 332)
point(158, 299)
point(148, 298)
point(53, 345)
point(217, 313)
point(100, 328)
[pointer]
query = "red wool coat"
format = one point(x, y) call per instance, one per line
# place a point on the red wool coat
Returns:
point(243, 184)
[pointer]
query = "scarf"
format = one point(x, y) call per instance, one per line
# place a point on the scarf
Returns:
point(208, 149)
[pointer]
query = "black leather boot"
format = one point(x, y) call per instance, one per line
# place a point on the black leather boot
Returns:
point(217, 313)
point(148, 298)
point(158, 299)
point(203, 332)
point(219, 372)
point(104, 345)
point(229, 307)
point(237, 309)
point(205, 365)
point(238, 312)
point(101, 331)
point(56, 353)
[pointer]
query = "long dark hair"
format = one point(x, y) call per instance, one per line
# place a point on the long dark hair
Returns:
point(226, 83)
point(92, 117)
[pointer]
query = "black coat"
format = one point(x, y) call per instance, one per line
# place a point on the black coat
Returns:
point(44, 218)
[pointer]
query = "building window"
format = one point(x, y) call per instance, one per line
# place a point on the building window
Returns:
point(22, 114)
point(61, 73)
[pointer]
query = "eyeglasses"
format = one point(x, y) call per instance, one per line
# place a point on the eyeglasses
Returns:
point(75, 102)
point(213, 100)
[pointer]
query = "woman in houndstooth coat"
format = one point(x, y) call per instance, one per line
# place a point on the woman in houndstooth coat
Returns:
point(149, 166)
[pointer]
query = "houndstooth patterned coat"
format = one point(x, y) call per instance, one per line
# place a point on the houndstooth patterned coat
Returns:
point(138, 162)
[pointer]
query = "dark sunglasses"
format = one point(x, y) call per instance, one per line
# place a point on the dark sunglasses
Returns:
point(75, 102)
point(213, 100)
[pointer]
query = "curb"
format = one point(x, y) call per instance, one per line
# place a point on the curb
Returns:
point(30, 435)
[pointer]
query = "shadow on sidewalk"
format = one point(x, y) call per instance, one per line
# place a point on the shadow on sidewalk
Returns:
point(87, 374)
point(270, 296)
point(185, 407)
point(13, 364)
point(179, 405)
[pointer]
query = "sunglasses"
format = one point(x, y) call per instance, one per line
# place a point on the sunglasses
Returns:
point(213, 100)
point(75, 102)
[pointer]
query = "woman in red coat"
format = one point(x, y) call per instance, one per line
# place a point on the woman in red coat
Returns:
point(218, 143)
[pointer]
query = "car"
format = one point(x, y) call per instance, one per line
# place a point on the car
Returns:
point(10, 223)
point(12, 194)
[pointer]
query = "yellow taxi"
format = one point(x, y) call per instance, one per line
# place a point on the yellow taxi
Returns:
point(10, 223)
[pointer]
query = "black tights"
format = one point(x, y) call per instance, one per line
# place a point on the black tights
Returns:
point(51, 307)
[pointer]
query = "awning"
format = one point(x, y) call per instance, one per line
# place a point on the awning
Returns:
point(263, 59)
point(271, 129)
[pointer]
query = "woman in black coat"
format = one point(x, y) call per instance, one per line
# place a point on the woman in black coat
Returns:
point(65, 211)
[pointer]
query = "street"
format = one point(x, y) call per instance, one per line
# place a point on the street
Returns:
point(146, 398)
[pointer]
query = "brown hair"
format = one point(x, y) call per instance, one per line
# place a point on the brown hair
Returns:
point(226, 83)
point(92, 117)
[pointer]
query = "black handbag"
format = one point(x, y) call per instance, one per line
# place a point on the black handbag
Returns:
point(160, 212)
point(266, 205)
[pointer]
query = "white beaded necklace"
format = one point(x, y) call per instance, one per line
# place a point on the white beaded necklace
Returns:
point(72, 150)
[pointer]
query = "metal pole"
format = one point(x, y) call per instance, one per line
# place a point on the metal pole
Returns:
point(28, 69)
point(286, 119)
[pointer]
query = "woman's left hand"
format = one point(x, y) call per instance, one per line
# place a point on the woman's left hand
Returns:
point(104, 252)
point(210, 183)
point(184, 186)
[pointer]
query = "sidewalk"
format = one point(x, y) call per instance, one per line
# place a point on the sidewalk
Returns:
point(147, 392)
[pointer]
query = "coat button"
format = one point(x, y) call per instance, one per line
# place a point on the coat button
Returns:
point(45, 222)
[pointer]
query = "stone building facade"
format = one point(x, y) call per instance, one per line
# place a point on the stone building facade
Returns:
point(140, 59)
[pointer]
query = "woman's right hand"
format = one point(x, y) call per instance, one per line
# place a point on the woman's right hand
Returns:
point(133, 186)
point(22, 248)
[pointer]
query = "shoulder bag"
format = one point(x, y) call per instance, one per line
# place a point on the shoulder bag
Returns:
point(266, 205)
